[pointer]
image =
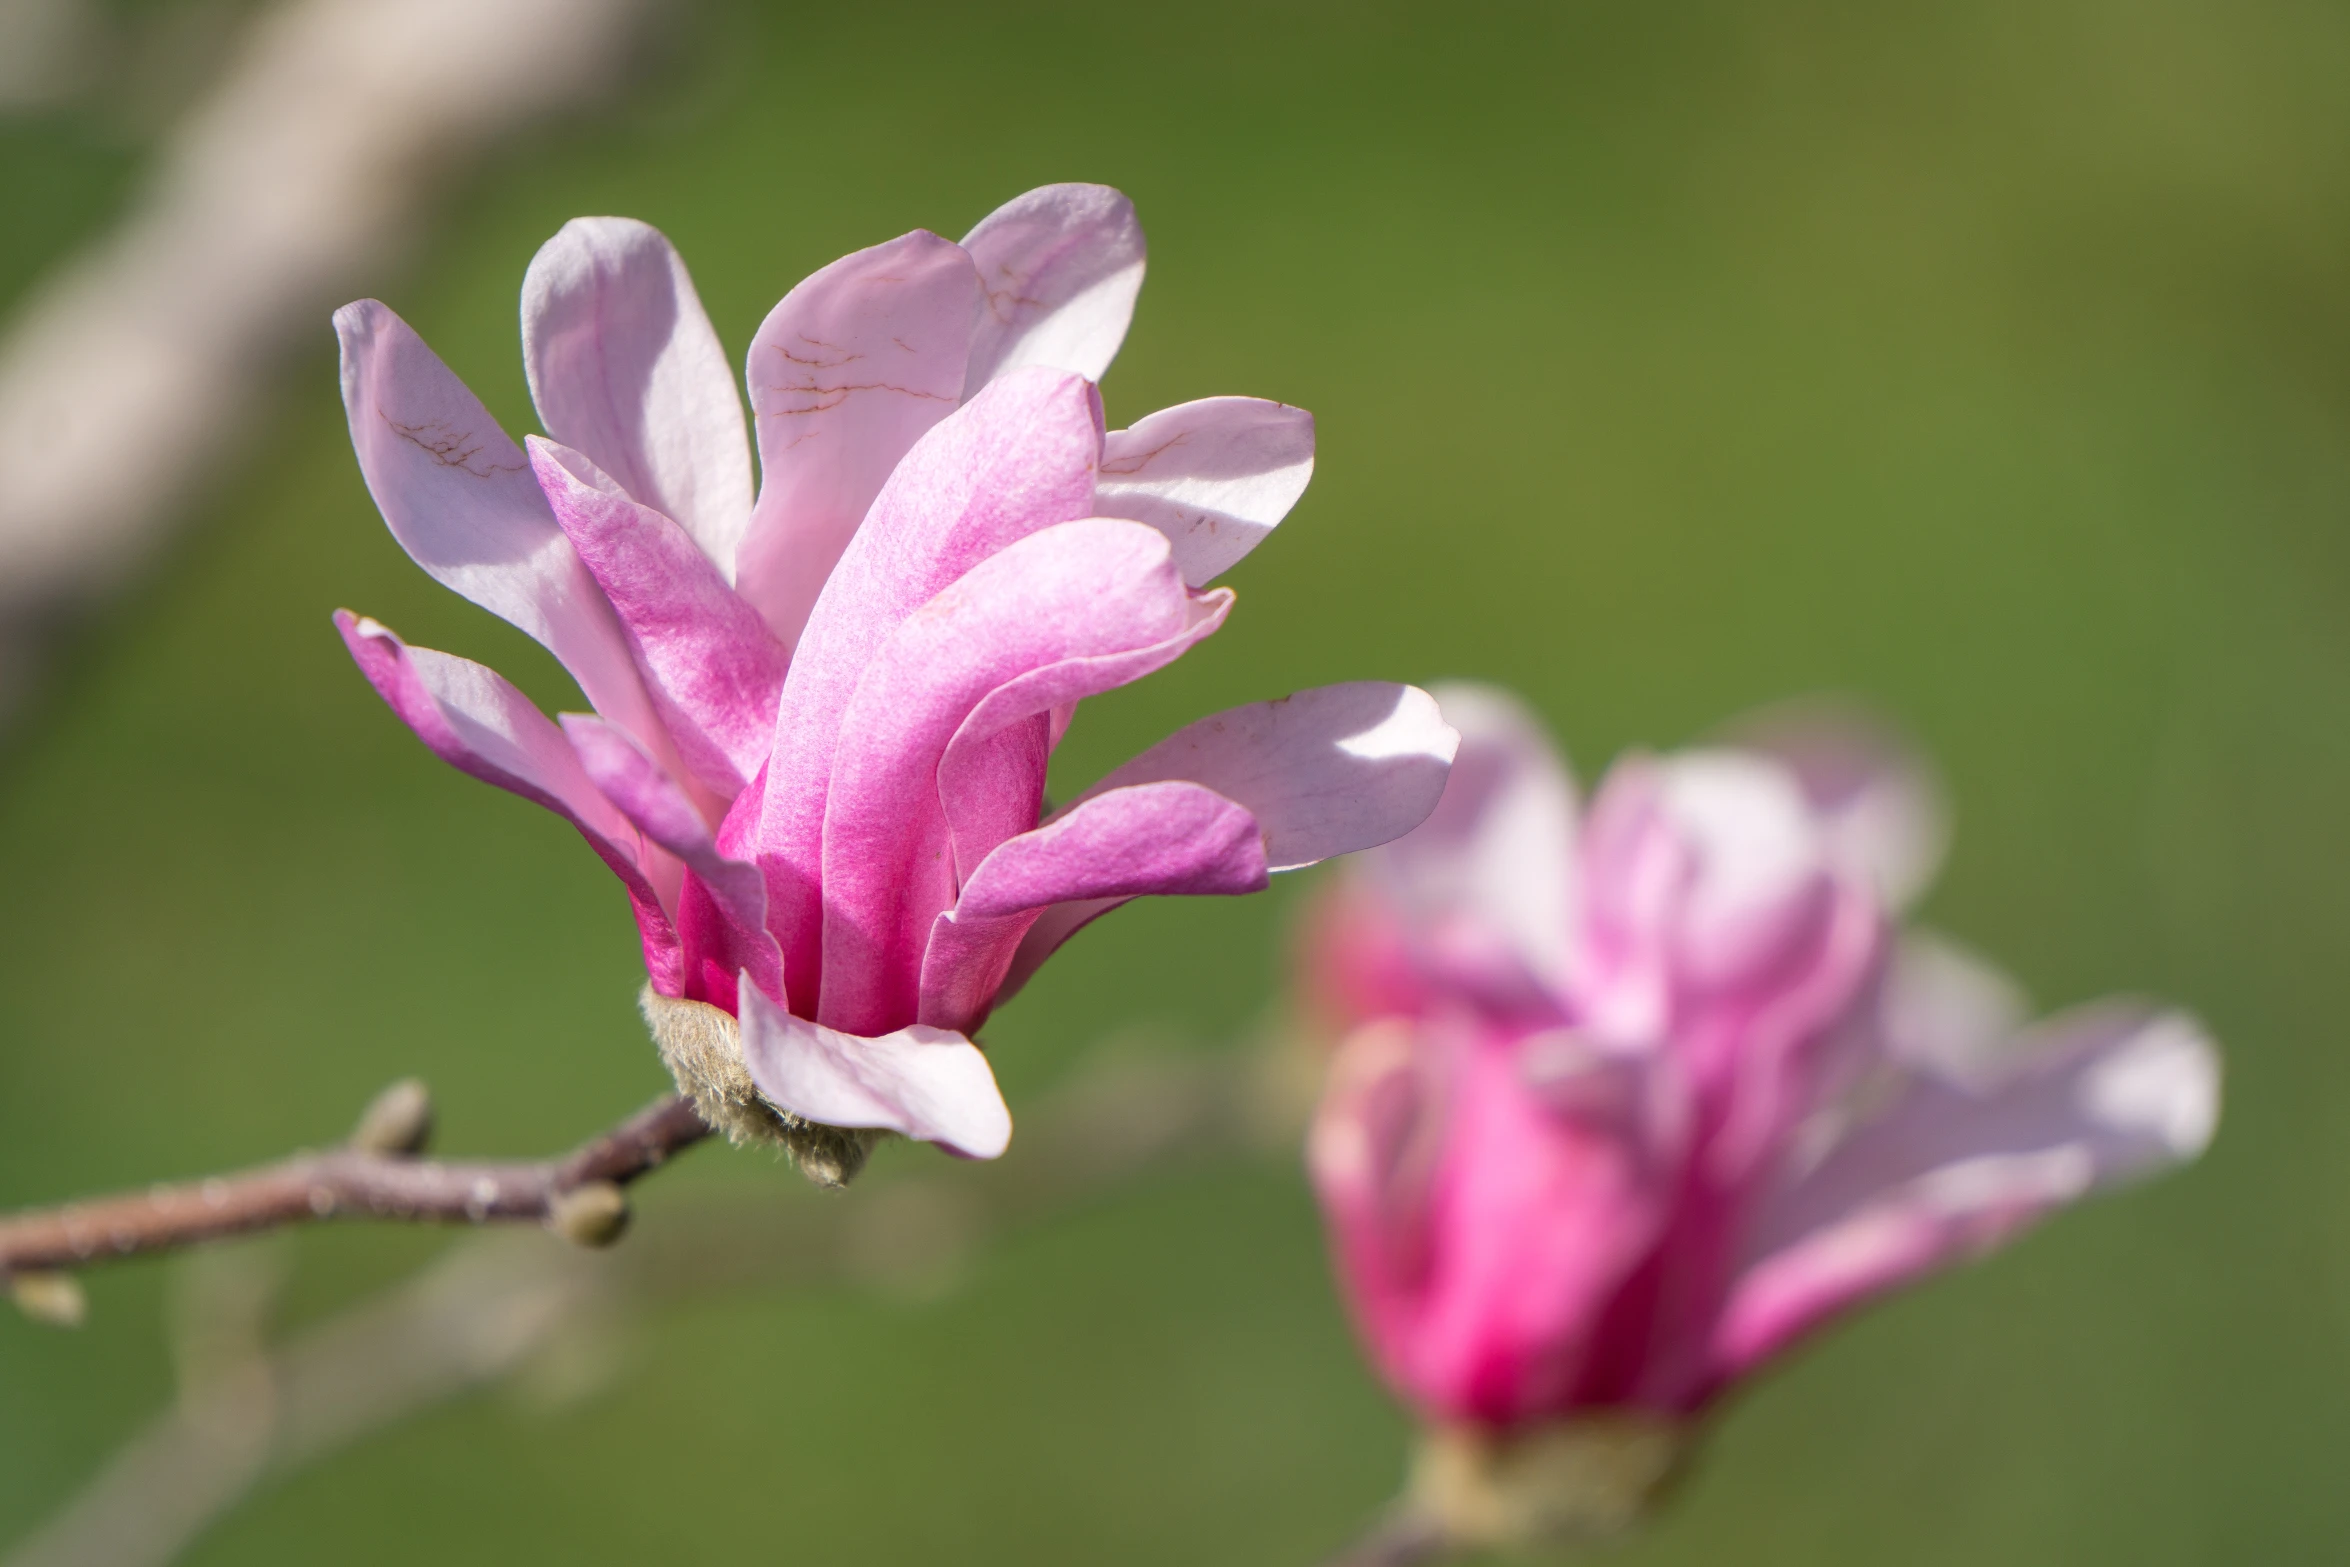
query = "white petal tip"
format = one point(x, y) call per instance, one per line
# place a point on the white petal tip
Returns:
point(2162, 1084)
point(926, 1083)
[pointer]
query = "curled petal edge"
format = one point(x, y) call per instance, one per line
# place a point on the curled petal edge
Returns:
point(1324, 772)
point(930, 1084)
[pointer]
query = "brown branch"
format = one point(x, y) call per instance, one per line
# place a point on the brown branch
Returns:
point(351, 1182)
point(495, 1306)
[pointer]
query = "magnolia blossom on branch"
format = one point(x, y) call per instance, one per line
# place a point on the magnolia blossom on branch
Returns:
point(1635, 1098)
point(824, 709)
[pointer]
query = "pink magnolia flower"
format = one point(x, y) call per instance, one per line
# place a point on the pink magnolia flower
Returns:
point(1635, 1099)
point(822, 714)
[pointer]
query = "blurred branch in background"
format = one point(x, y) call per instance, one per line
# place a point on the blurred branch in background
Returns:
point(522, 1306)
point(293, 182)
point(49, 51)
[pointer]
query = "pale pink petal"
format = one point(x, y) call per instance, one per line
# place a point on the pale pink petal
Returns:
point(1168, 838)
point(2100, 1096)
point(845, 375)
point(625, 368)
point(1487, 883)
point(1714, 927)
point(1324, 772)
point(927, 1083)
point(1017, 458)
point(471, 718)
point(1056, 615)
point(460, 498)
point(1062, 265)
point(1949, 1013)
point(1756, 861)
point(1214, 476)
point(1768, 1047)
point(1702, 873)
point(722, 905)
point(1938, 1009)
point(713, 668)
point(1880, 802)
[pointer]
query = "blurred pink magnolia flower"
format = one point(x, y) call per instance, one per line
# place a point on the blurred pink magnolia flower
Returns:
point(823, 713)
point(1634, 1100)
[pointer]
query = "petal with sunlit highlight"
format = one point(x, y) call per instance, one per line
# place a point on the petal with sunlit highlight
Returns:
point(846, 374)
point(625, 368)
point(1061, 266)
point(1214, 476)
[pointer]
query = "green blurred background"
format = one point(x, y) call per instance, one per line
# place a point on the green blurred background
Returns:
point(1991, 362)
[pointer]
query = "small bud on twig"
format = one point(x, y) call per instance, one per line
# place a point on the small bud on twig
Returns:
point(396, 1121)
point(589, 1215)
point(53, 1298)
point(830, 1156)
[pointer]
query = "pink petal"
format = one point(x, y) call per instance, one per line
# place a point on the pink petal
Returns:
point(475, 721)
point(1378, 1137)
point(722, 906)
point(846, 374)
point(1171, 838)
point(1949, 1013)
point(1047, 934)
point(1756, 860)
point(1214, 476)
point(460, 498)
point(625, 368)
point(1061, 266)
point(2100, 1096)
point(1879, 799)
point(1017, 458)
point(1058, 615)
point(1326, 771)
point(927, 1083)
point(1487, 883)
point(713, 668)
point(1939, 1010)
point(991, 779)
point(1715, 927)
point(1704, 875)
point(1481, 1233)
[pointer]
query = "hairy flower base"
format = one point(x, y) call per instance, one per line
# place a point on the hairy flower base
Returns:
point(702, 1047)
point(1560, 1483)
